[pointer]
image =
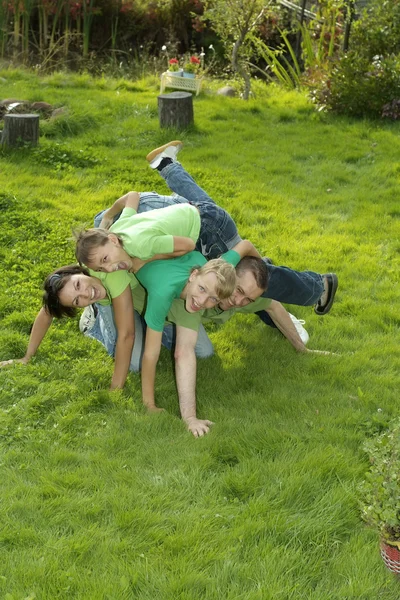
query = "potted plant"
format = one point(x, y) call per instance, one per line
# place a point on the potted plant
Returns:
point(191, 67)
point(173, 67)
point(381, 492)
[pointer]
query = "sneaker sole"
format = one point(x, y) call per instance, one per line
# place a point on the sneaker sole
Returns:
point(333, 286)
point(154, 153)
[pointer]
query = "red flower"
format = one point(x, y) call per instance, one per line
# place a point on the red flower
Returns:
point(194, 60)
point(173, 61)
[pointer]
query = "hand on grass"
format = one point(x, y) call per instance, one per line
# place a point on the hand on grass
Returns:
point(198, 427)
point(6, 363)
point(326, 352)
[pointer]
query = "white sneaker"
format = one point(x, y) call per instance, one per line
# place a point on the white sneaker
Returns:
point(298, 323)
point(169, 150)
point(87, 320)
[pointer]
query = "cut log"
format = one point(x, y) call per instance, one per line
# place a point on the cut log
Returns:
point(20, 129)
point(175, 110)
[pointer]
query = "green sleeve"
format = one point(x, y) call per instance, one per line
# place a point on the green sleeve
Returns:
point(162, 244)
point(231, 257)
point(127, 212)
point(115, 283)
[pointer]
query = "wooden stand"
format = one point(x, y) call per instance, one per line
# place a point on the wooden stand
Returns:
point(175, 110)
point(20, 129)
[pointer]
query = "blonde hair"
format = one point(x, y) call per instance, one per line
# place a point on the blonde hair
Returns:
point(225, 273)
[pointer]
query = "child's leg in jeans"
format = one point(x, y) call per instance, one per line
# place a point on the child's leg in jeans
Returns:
point(218, 232)
point(179, 181)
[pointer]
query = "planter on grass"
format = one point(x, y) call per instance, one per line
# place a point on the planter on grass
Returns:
point(390, 552)
point(381, 492)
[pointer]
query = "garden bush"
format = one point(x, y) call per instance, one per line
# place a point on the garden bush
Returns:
point(361, 87)
point(365, 79)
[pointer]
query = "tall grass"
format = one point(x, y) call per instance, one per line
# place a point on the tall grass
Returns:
point(101, 501)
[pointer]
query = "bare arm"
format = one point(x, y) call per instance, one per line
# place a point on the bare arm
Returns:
point(182, 245)
point(125, 324)
point(284, 323)
point(246, 248)
point(149, 363)
point(131, 200)
point(39, 330)
point(185, 372)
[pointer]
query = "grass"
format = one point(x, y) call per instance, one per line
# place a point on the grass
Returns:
point(101, 501)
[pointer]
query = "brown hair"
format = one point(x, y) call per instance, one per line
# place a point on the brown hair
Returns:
point(53, 285)
point(87, 241)
point(226, 276)
point(257, 267)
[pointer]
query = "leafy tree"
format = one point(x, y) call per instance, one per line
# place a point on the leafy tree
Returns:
point(235, 21)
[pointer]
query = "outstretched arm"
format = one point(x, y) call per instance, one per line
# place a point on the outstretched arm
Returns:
point(149, 363)
point(131, 200)
point(284, 323)
point(39, 330)
point(182, 245)
point(185, 372)
point(125, 324)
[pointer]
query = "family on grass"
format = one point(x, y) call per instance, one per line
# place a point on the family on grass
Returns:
point(156, 268)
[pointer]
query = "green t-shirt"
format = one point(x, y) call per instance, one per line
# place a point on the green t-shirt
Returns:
point(115, 283)
point(216, 315)
point(164, 281)
point(177, 313)
point(149, 233)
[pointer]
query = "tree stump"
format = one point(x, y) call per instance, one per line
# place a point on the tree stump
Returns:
point(19, 129)
point(175, 110)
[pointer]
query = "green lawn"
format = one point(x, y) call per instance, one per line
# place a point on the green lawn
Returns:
point(101, 501)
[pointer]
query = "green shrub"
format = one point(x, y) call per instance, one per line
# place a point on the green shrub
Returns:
point(377, 33)
point(381, 489)
point(361, 87)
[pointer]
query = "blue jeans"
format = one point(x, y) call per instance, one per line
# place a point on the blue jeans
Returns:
point(218, 232)
point(105, 332)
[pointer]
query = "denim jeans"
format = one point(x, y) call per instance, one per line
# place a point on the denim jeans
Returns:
point(218, 232)
point(303, 288)
point(105, 332)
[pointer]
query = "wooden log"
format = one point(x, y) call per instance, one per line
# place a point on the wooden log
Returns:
point(20, 129)
point(175, 110)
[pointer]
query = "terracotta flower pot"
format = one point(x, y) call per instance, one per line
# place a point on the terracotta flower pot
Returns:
point(391, 556)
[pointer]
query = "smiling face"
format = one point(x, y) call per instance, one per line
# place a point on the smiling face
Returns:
point(200, 291)
point(82, 290)
point(109, 257)
point(246, 291)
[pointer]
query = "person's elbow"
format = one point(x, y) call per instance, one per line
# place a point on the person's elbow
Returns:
point(127, 336)
point(183, 245)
